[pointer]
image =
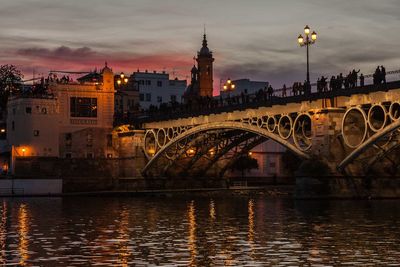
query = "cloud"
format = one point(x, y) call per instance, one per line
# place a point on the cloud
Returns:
point(62, 53)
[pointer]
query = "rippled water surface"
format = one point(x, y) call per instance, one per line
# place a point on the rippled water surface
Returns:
point(223, 231)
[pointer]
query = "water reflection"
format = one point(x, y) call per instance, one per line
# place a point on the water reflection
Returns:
point(23, 230)
point(124, 252)
point(3, 232)
point(250, 209)
point(212, 210)
point(192, 233)
point(187, 232)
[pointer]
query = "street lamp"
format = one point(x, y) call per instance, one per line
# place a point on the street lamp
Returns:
point(122, 79)
point(228, 86)
point(309, 40)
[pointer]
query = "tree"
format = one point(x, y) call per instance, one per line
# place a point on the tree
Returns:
point(244, 163)
point(10, 83)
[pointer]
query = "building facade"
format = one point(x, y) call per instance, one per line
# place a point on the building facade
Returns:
point(157, 88)
point(71, 120)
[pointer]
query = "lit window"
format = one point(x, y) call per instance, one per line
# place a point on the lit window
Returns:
point(83, 107)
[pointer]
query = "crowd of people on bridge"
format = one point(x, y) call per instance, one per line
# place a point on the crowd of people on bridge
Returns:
point(268, 94)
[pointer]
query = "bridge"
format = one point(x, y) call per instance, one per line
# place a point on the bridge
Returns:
point(353, 132)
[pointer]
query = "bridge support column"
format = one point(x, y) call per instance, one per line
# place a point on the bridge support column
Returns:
point(315, 177)
point(131, 160)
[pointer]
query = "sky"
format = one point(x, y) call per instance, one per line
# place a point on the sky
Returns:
point(255, 39)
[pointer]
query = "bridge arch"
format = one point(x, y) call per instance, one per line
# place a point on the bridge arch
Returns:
point(227, 125)
point(372, 141)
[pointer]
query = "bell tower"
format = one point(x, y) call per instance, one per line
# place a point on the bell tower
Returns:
point(205, 69)
point(108, 78)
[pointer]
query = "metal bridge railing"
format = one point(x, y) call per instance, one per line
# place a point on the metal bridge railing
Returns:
point(205, 106)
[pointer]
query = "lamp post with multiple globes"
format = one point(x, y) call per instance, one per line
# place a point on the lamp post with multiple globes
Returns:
point(122, 79)
point(229, 86)
point(307, 41)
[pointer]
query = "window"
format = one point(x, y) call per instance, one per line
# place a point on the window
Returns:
point(68, 155)
point(13, 125)
point(141, 97)
point(28, 110)
point(148, 97)
point(159, 83)
point(109, 156)
point(44, 110)
point(159, 99)
point(14, 111)
point(173, 98)
point(83, 107)
point(148, 82)
point(35, 132)
point(89, 155)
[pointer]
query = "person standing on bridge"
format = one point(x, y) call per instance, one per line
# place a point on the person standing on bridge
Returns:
point(270, 92)
point(362, 80)
point(332, 83)
point(284, 90)
point(377, 76)
point(383, 74)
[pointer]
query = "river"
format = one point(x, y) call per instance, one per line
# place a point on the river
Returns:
point(198, 231)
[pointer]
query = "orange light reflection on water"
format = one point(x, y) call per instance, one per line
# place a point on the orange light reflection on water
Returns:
point(3, 233)
point(192, 234)
point(123, 234)
point(250, 209)
point(23, 230)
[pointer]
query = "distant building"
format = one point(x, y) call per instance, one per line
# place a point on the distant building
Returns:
point(201, 76)
point(245, 86)
point(157, 88)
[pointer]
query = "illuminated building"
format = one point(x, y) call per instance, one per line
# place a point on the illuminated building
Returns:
point(57, 124)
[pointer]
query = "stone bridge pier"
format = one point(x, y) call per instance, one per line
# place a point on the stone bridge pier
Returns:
point(346, 146)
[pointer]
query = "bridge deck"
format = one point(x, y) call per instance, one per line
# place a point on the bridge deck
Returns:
point(252, 102)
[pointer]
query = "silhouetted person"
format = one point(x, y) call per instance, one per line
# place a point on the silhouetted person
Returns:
point(332, 83)
point(361, 80)
point(319, 87)
point(270, 92)
point(377, 76)
point(294, 89)
point(324, 84)
point(354, 78)
point(383, 74)
point(346, 81)
point(284, 91)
